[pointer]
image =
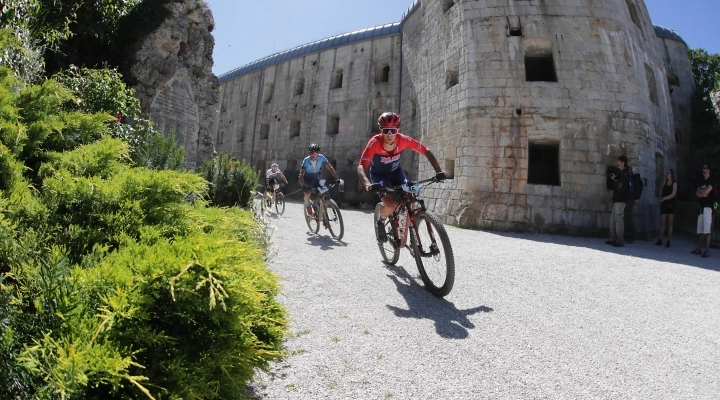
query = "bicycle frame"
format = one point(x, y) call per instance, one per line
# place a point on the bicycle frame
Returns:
point(412, 204)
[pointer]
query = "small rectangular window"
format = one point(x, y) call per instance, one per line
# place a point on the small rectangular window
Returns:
point(447, 5)
point(243, 99)
point(337, 80)
point(268, 92)
point(333, 124)
point(299, 86)
point(632, 9)
point(264, 131)
point(652, 85)
point(450, 168)
point(540, 69)
point(544, 164)
point(241, 134)
point(295, 128)
point(452, 77)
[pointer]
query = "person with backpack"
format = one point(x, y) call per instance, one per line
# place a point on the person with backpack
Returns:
point(667, 206)
point(706, 200)
point(621, 194)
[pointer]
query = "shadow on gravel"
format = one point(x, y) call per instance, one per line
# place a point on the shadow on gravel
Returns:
point(678, 253)
point(450, 322)
point(324, 242)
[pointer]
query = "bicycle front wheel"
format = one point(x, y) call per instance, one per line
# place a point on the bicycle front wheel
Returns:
point(389, 250)
point(279, 203)
point(433, 254)
point(334, 220)
point(312, 217)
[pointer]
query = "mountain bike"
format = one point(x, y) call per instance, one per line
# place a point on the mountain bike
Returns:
point(325, 210)
point(276, 197)
point(429, 244)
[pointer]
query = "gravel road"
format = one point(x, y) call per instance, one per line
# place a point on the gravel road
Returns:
point(530, 316)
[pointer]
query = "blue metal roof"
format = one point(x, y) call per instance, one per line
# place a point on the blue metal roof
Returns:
point(409, 11)
point(668, 33)
point(319, 45)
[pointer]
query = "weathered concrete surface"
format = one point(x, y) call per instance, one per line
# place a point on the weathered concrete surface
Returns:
point(530, 316)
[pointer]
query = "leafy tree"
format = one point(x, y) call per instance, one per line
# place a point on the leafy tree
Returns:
point(706, 72)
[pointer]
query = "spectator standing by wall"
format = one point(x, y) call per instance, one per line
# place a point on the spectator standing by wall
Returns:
point(629, 206)
point(621, 193)
point(704, 222)
point(667, 206)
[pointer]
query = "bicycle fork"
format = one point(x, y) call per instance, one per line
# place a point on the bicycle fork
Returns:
point(434, 250)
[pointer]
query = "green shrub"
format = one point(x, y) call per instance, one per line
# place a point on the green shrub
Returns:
point(112, 284)
point(229, 188)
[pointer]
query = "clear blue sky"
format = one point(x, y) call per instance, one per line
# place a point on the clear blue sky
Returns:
point(247, 30)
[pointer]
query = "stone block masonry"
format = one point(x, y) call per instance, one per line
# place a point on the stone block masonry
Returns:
point(524, 103)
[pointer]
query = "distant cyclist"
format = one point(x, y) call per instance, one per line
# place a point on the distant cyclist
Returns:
point(273, 176)
point(382, 154)
point(310, 172)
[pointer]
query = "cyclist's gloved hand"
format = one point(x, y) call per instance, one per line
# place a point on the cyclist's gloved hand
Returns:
point(330, 181)
point(441, 176)
point(374, 187)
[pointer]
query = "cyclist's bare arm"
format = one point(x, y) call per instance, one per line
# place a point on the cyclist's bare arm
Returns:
point(433, 161)
point(363, 177)
point(301, 177)
point(332, 170)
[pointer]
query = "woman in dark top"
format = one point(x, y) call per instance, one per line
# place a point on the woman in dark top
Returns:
point(667, 206)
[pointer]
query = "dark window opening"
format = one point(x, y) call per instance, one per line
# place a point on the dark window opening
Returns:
point(222, 138)
point(544, 164)
point(243, 99)
point(299, 86)
point(518, 111)
point(447, 4)
point(268, 93)
point(295, 128)
point(540, 69)
point(337, 81)
point(452, 77)
point(652, 85)
point(333, 124)
point(386, 73)
point(241, 134)
point(450, 168)
point(314, 63)
point(292, 166)
point(673, 80)
point(678, 136)
point(413, 113)
point(633, 13)
point(264, 131)
point(514, 27)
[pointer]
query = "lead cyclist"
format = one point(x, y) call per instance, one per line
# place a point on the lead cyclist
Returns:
point(382, 155)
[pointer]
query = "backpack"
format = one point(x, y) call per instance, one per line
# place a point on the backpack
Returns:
point(637, 186)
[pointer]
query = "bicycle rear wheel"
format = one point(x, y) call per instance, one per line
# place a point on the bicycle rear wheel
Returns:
point(279, 203)
point(334, 219)
point(312, 220)
point(433, 254)
point(389, 250)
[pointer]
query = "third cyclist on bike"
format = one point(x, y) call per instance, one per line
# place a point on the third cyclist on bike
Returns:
point(382, 154)
point(273, 176)
point(310, 173)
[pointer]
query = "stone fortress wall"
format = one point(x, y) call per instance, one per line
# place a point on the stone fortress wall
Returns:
point(525, 102)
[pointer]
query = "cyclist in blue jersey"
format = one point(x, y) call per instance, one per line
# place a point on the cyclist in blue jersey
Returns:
point(310, 172)
point(382, 155)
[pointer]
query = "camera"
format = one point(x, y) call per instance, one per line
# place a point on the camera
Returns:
point(609, 181)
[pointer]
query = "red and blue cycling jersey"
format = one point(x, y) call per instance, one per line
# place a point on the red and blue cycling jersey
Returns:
point(383, 162)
